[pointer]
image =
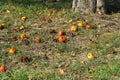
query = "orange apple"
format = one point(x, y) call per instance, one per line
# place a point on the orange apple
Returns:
point(73, 28)
point(2, 68)
point(61, 38)
point(12, 50)
point(22, 36)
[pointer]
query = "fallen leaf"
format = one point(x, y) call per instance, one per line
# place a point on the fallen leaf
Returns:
point(43, 19)
point(49, 20)
point(2, 26)
point(14, 38)
point(15, 30)
point(61, 71)
point(37, 39)
point(51, 31)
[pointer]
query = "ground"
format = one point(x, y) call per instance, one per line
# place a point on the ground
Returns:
point(49, 59)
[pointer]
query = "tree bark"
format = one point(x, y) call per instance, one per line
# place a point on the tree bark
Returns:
point(89, 6)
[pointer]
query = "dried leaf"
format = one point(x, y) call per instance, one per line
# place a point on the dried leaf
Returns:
point(61, 71)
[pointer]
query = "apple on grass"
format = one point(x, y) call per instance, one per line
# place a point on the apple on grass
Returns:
point(24, 59)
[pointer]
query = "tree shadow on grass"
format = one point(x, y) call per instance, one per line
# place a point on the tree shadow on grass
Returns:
point(39, 3)
point(112, 6)
point(64, 4)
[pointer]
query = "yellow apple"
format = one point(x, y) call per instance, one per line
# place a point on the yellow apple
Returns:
point(80, 24)
point(23, 18)
point(90, 56)
point(73, 28)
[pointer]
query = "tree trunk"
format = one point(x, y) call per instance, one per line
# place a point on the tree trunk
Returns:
point(89, 6)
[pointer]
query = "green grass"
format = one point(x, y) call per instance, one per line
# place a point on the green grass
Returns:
point(48, 56)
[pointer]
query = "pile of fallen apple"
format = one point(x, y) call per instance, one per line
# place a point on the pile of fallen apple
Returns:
point(61, 38)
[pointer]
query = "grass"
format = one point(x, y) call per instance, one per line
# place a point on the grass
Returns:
point(49, 59)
